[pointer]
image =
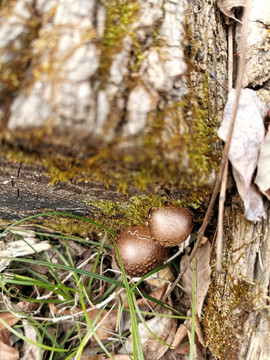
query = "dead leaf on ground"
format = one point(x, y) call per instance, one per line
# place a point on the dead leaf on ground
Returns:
point(263, 173)
point(161, 277)
point(200, 276)
point(163, 327)
point(183, 334)
point(26, 306)
point(247, 136)
point(228, 6)
point(29, 351)
point(180, 334)
point(9, 318)
point(157, 294)
point(12, 247)
point(86, 356)
point(120, 357)
point(199, 350)
point(106, 323)
point(6, 350)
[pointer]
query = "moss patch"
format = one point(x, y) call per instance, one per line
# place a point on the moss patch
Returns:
point(12, 73)
point(226, 311)
point(120, 15)
point(116, 215)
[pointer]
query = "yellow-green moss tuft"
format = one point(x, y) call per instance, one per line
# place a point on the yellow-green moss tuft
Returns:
point(120, 15)
point(228, 306)
point(134, 211)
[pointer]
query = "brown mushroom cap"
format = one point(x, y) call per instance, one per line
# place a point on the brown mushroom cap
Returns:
point(138, 251)
point(171, 225)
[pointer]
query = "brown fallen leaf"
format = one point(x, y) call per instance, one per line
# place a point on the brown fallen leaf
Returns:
point(163, 327)
point(180, 334)
point(247, 136)
point(85, 356)
point(157, 294)
point(183, 333)
point(26, 306)
point(106, 323)
point(162, 276)
point(9, 318)
point(228, 7)
point(29, 351)
point(120, 357)
point(6, 350)
point(263, 173)
point(200, 275)
point(199, 350)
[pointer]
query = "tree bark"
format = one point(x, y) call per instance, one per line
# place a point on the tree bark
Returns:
point(119, 93)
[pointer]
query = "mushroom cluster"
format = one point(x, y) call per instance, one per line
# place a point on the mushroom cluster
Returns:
point(142, 249)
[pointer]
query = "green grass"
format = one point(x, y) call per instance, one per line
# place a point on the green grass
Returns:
point(52, 282)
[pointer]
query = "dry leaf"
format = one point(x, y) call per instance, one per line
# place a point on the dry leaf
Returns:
point(29, 351)
point(157, 294)
point(228, 6)
point(163, 327)
point(247, 136)
point(6, 350)
point(200, 276)
point(26, 306)
point(164, 275)
point(106, 323)
point(85, 356)
point(180, 334)
point(9, 318)
point(120, 357)
point(199, 350)
point(263, 173)
point(20, 247)
point(184, 349)
point(184, 332)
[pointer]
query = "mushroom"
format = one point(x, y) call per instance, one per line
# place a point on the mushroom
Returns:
point(138, 251)
point(170, 226)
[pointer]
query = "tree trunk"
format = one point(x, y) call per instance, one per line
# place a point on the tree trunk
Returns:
point(107, 100)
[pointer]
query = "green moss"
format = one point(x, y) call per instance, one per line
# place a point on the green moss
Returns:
point(12, 73)
point(228, 306)
point(133, 211)
point(202, 141)
point(203, 158)
point(120, 15)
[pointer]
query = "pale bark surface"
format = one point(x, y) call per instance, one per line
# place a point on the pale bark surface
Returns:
point(59, 78)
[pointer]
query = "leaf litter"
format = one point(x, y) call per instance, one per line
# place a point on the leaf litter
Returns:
point(197, 275)
point(6, 350)
point(263, 173)
point(248, 134)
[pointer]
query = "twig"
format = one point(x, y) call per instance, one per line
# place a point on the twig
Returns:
point(230, 57)
point(219, 83)
point(225, 151)
point(222, 196)
point(219, 239)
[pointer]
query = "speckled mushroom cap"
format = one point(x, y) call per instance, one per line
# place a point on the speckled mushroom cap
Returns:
point(171, 225)
point(138, 251)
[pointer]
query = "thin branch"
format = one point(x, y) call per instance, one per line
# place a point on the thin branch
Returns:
point(222, 196)
point(219, 239)
point(230, 57)
point(225, 151)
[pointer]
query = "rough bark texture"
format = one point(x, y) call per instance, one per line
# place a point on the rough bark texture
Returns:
point(87, 86)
